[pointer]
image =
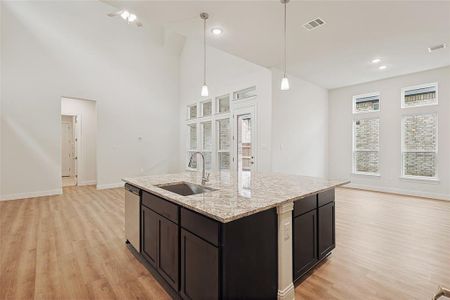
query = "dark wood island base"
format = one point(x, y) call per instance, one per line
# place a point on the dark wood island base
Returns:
point(196, 257)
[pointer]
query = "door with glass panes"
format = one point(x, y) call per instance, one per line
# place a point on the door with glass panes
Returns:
point(244, 141)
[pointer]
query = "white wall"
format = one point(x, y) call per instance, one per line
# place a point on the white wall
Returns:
point(71, 48)
point(299, 127)
point(87, 139)
point(340, 134)
point(226, 73)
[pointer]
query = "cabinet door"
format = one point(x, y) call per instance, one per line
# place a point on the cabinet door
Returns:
point(326, 229)
point(168, 251)
point(199, 268)
point(149, 235)
point(305, 243)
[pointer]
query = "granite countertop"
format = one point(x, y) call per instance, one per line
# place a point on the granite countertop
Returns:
point(236, 196)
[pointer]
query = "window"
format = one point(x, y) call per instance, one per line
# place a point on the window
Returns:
point(420, 95)
point(366, 146)
point(366, 103)
point(192, 143)
point(223, 133)
point(207, 143)
point(223, 104)
point(206, 108)
point(245, 93)
point(192, 112)
point(419, 146)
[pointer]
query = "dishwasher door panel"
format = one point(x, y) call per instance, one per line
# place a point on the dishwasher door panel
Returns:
point(132, 218)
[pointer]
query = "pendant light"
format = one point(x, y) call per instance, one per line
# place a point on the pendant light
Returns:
point(284, 80)
point(204, 16)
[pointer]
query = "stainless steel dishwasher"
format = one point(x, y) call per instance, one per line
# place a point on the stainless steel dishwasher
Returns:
point(132, 216)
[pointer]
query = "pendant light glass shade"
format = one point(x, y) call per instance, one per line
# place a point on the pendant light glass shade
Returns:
point(285, 84)
point(205, 91)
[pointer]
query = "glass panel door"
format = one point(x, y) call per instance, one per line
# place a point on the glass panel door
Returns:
point(245, 145)
point(244, 142)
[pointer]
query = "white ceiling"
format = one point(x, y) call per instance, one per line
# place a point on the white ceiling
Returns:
point(334, 55)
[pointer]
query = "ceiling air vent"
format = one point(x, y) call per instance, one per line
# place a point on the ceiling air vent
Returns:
point(313, 24)
point(437, 47)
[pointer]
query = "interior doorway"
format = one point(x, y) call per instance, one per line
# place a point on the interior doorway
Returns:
point(68, 150)
point(78, 142)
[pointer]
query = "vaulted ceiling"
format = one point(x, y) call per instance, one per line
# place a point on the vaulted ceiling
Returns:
point(336, 54)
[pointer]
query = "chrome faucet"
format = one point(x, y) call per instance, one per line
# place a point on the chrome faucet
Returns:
point(205, 175)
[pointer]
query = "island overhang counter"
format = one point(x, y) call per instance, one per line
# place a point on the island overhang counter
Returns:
point(239, 237)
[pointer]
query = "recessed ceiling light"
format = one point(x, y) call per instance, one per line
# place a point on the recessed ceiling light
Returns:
point(376, 60)
point(125, 14)
point(382, 67)
point(132, 18)
point(217, 31)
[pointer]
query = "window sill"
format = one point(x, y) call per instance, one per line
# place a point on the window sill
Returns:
point(222, 115)
point(366, 112)
point(367, 174)
point(420, 105)
point(421, 178)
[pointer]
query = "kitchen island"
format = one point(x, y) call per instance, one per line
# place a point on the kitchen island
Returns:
point(236, 236)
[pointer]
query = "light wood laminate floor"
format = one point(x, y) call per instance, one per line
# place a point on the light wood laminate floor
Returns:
point(72, 247)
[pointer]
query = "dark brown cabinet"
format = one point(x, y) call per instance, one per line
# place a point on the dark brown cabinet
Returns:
point(160, 244)
point(305, 243)
point(199, 268)
point(168, 251)
point(149, 231)
point(326, 229)
point(196, 257)
point(313, 231)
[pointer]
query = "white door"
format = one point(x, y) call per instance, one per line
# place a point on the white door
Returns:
point(67, 154)
point(244, 141)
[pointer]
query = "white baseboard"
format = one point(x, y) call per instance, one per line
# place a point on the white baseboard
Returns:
point(87, 182)
point(31, 195)
point(437, 196)
point(110, 185)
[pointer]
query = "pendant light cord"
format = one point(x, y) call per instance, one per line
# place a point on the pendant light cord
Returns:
point(284, 34)
point(204, 51)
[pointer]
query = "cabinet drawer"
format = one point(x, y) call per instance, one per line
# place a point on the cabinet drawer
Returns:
point(201, 226)
point(326, 197)
point(161, 206)
point(304, 205)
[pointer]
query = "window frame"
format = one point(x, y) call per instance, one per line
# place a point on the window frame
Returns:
point(189, 150)
point(416, 87)
point(202, 139)
point(354, 150)
point(188, 117)
point(217, 104)
point(372, 94)
point(402, 150)
point(245, 91)
point(217, 141)
point(202, 113)
point(198, 122)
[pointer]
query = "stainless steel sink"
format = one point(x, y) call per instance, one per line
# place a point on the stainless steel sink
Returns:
point(185, 188)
